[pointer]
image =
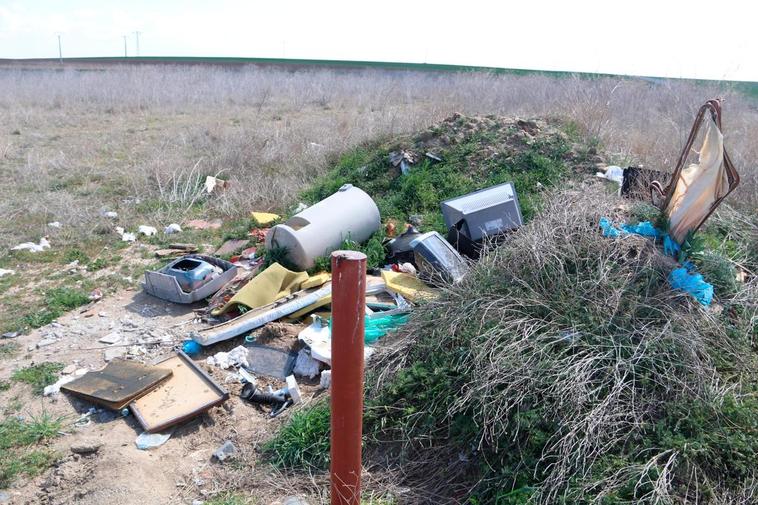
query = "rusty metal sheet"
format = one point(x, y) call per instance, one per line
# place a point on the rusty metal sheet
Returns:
point(117, 384)
point(187, 393)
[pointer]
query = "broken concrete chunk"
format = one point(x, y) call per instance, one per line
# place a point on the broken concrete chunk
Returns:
point(45, 342)
point(86, 446)
point(113, 337)
point(226, 451)
point(114, 352)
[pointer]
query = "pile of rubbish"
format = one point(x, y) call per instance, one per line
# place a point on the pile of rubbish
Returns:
point(277, 279)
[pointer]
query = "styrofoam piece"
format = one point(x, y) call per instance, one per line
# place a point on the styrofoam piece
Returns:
point(162, 285)
point(349, 213)
point(293, 389)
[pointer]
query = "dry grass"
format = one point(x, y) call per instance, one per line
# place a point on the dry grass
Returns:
point(558, 363)
point(140, 139)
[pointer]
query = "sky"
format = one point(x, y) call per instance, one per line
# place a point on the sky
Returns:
point(665, 38)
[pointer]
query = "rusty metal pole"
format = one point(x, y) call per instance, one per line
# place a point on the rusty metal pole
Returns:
point(348, 310)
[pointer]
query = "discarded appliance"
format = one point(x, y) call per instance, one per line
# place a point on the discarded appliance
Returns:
point(694, 192)
point(485, 212)
point(316, 231)
point(436, 258)
point(118, 384)
point(187, 393)
point(279, 400)
point(400, 247)
point(189, 278)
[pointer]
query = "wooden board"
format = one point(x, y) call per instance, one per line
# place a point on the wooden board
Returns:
point(117, 384)
point(187, 393)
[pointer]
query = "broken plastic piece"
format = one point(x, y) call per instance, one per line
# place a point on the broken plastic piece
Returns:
point(32, 247)
point(172, 228)
point(264, 218)
point(147, 440)
point(148, 231)
point(409, 286)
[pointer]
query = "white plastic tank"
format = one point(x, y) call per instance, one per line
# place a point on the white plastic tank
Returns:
point(321, 228)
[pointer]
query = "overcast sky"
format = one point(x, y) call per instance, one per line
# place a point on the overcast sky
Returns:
point(712, 40)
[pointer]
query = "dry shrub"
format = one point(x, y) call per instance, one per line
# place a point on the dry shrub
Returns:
point(119, 136)
point(547, 371)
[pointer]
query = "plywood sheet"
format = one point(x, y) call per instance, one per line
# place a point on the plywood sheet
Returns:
point(187, 393)
point(117, 384)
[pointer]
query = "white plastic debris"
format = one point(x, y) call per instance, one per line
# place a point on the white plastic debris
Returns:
point(4, 272)
point(172, 228)
point(147, 440)
point(318, 336)
point(55, 224)
point(247, 376)
point(148, 231)
point(110, 214)
point(408, 268)
point(54, 389)
point(612, 173)
point(211, 183)
point(305, 365)
point(32, 247)
point(128, 237)
point(300, 207)
point(224, 360)
point(326, 379)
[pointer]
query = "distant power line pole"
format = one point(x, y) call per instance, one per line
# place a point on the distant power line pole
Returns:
point(136, 37)
point(125, 55)
point(60, 50)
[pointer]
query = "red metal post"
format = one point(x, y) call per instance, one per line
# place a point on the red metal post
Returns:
point(348, 311)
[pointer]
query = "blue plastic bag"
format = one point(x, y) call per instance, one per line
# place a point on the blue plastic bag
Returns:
point(689, 281)
point(644, 228)
point(609, 230)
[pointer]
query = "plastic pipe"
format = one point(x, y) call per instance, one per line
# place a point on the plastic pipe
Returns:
point(348, 306)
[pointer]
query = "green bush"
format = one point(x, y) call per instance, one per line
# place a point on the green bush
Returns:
point(303, 442)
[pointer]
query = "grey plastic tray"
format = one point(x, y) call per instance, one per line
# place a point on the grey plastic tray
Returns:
point(167, 287)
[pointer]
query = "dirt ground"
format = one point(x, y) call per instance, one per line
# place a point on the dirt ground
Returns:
point(180, 471)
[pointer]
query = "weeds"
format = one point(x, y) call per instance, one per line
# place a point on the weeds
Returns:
point(38, 376)
point(304, 441)
point(230, 498)
point(8, 350)
point(17, 437)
